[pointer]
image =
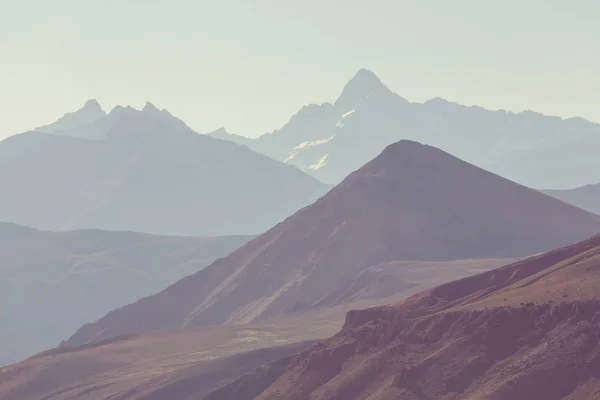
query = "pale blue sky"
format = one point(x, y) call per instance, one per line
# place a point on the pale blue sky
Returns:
point(249, 65)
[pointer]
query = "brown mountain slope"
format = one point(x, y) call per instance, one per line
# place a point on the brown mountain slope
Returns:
point(190, 363)
point(53, 282)
point(149, 366)
point(413, 202)
point(530, 330)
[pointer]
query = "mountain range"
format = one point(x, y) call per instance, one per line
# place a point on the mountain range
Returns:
point(144, 171)
point(221, 315)
point(412, 202)
point(147, 171)
point(329, 141)
point(51, 283)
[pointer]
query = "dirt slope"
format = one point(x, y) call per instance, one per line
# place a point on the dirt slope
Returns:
point(530, 330)
point(194, 362)
point(149, 366)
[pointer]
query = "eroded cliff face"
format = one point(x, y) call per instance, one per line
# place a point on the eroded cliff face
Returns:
point(528, 352)
point(530, 330)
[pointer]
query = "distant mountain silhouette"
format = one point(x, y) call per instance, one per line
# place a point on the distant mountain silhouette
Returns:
point(412, 202)
point(331, 140)
point(52, 283)
point(221, 133)
point(146, 171)
point(525, 331)
point(100, 126)
point(89, 113)
point(586, 197)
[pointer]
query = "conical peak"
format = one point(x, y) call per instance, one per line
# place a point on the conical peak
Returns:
point(396, 158)
point(149, 107)
point(360, 87)
point(403, 148)
point(366, 77)
point(92, 104)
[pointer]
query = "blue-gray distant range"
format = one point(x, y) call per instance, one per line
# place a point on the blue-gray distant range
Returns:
point(331, 140)
point(586, 197)
point(147, 171)
point(144, 171)
point(53, 282)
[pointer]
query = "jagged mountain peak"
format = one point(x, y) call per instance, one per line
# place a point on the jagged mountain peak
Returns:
point(150, 108)
point(90, 112)
point(120, 109)
point(361, 86)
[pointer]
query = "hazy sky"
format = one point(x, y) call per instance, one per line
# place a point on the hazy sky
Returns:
point(249, 65)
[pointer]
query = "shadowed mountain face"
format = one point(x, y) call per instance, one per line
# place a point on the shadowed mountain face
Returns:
point(52, 283)
point(148, 172)
point(331, 140)
point(529, 330)
point(585, 197)
point(413, 202)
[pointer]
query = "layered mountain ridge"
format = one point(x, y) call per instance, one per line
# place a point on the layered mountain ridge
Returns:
point(53, 282)
point(146, 171)
point(413, 202)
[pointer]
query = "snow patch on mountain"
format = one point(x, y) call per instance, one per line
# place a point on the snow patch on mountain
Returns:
point(305, 145)
point(340, 123)
point(319, 164)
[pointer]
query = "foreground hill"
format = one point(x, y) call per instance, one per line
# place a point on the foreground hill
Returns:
point(585, 197)
point(413, 202)
point(530, 330)
point(146, 171)
point(187, 364)
point(52, 283)
point(329, 141)
point(150, 366)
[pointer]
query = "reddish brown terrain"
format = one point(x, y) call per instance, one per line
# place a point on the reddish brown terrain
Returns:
point(190, 363)
point(156, 365)
point(413, 202)
point(530, 330)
